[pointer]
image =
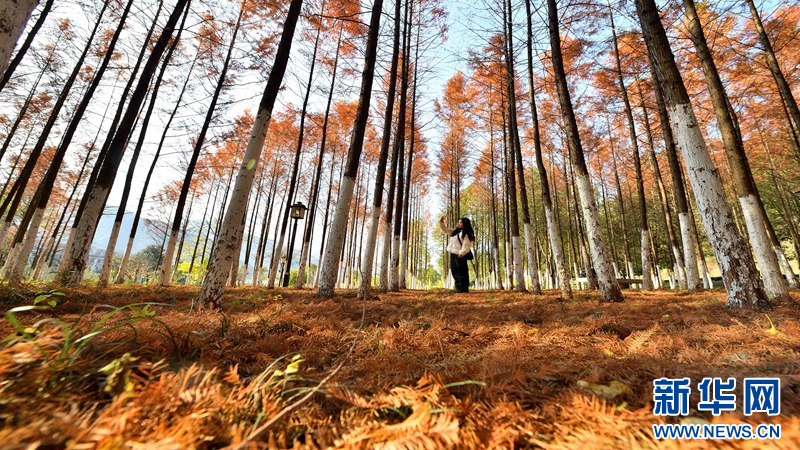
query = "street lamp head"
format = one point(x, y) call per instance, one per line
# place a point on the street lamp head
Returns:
point(298, 211)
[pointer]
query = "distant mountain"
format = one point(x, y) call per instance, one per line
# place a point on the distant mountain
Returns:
point(145, 236)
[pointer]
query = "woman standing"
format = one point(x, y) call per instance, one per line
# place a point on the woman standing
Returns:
point(460, 248)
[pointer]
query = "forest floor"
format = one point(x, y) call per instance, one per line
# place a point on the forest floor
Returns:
point(428, 369)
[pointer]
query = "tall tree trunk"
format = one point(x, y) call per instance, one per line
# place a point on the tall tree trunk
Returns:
point(787, 268)
point(166, 267)
point(733, 256)
point(11, 202)
point(644, 226)
point(23, 49)
point(495, 240)
point(410, 165)
point(333, 248)
point(609, 289)
point(281, 257)
point(380, 177)
point(105, 273)
point(550, 219)
point(383, 282)
point(516, 148)
point(29, 226)
point(690, 246)
point(677, 257)
point(226, 244)
point(515, 255)
point(774, 67)
point(110, 137)
point(315, 184)
point(13, 17)
point(612, 234)
point(774, 284)
point(137, 217)
point(77, 254)
point(400, 148)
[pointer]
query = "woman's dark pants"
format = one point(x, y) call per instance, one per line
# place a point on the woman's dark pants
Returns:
point(460, 270)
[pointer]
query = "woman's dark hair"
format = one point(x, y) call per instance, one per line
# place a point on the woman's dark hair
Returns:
point(467, 230)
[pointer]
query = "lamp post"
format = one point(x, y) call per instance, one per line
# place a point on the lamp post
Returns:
point(297, 212)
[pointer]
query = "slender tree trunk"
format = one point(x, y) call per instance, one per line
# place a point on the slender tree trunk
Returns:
point(251, 228)
point(109, 138)
point(315, 184)
point(774, 284)
point(215, 188)
point(23, 49)
point(333, 248)
point(108, 258)
point(387, 233)
point(609, 226)
point(410, 166)
point(677, 257)
point(511, 184)
point(550, 220)
point(400, 146)
point(623, 221)
point(13, 17)
point(735, 261)
point(226, 245)
point(609, 289)
point(77, 254)
point(786, 267)
point(380, 177)
point(516, 149)
point(137, 217)
point(11, 202)
point(774, 67)
point(166, 267)
point(28, 229)
point(273, 270)
point(679, 190)
point(644, 226)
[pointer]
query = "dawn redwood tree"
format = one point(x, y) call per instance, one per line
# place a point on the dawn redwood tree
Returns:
point(404, 239)
point(140, 59)
point(23, 49)
point(685, 221)
point(516, 149)
point(105, 272)
point(399, 149)
point(123, 266)
point(739, 273)
point(666, 209)
point(384, 281)
point(774, 67)
point(749, 200)
point(335, 243)
point(315, 183)
point(293, 181)
point(14, 16)
point(166, 266)
point(28, 229)
point(226, 245)
point(609, 288)
point(12, 201)
point(76, 255)
point(380, 177)
point(644, 226)
point(550, 219)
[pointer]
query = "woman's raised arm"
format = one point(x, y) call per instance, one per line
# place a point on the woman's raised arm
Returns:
point(444, 229)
